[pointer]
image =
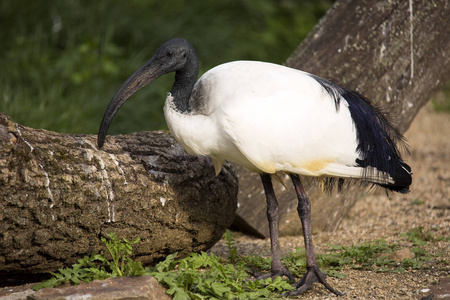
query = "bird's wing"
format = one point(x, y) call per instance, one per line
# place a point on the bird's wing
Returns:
point(296, 129)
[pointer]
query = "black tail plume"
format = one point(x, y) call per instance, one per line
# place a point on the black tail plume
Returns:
point(378, 140)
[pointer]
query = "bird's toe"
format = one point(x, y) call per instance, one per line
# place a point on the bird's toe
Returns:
point(313, 274)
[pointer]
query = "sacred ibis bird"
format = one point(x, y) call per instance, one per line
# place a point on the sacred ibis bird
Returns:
point(271, 118)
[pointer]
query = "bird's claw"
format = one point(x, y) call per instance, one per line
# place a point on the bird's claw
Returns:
point(313, 274)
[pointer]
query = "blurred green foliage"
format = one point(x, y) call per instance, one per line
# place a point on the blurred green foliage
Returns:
point(62, 61)
point(441, 101)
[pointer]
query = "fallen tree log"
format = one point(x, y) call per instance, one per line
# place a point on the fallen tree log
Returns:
point(59, 193)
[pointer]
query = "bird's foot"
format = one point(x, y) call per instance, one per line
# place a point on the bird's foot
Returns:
point(275, 273)
point(313, 274)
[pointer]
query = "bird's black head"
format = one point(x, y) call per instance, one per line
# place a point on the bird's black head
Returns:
point(176, 55)
point(173, 54)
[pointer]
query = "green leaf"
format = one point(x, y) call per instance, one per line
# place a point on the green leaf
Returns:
point(219, 289)
point(417, 236)
point(52, 282)
point(231, 244)
point(178, 293)
point(335, 274)
point(165, 265)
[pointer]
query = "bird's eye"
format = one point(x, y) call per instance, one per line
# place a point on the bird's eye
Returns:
point(184, 54)
point(169, 54)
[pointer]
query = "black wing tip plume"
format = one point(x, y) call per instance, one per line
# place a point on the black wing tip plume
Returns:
point(378, 139)
point(402, 178)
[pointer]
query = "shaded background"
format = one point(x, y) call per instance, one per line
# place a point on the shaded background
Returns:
point(62, 61)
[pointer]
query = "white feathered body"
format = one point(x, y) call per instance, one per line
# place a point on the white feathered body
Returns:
point(267, 118)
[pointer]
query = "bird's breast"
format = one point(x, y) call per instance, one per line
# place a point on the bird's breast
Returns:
point(201, 134)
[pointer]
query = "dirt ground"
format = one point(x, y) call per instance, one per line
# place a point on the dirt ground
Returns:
point(386, 217)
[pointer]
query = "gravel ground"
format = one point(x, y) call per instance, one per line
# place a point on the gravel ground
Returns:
point(382, 216)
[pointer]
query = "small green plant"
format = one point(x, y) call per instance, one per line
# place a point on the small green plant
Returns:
point(362, 256)
point(207, 276)
point(98, 266)
point(231, 244)
point(417, 236)
point(441, 101)
point(120, 251)
point(417, 201)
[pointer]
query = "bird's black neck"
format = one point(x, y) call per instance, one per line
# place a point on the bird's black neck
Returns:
point(185, 79)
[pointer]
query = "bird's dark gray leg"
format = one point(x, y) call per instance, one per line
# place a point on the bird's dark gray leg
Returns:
point(277, 268)
point(313, 273)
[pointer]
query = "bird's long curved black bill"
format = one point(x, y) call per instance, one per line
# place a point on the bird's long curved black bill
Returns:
point(143, 76)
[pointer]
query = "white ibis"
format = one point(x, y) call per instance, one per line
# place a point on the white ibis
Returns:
point(270, 118)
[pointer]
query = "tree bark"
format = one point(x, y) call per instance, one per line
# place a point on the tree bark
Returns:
point(394, 52)
point(59, 193)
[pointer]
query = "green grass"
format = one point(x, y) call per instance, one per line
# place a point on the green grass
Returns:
point(62, 61)
point(207, 276)
point(117, 263)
